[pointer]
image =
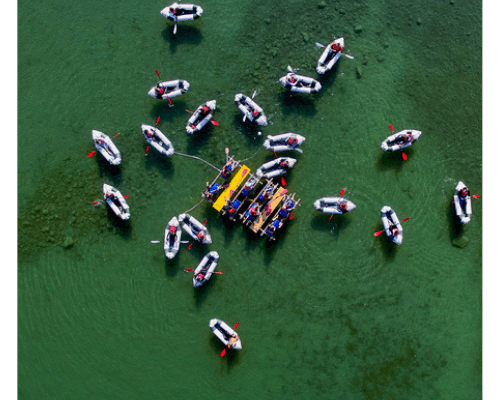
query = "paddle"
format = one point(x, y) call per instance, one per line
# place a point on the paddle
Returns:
point(379, 232)
point(291, 216)
point(157, 120)
point(214, 123)
point(283, 182)
point(157, 73)
point(227, 153)
point(403, 154)
point(158, 241)
point(223, 353)
point(320, 45)
point(476, 196)
point(147, 150)
point(96, 202)
point(299, 150)
point(91, 153)
point(342, 192)
point(116, 135)
point(191, 270)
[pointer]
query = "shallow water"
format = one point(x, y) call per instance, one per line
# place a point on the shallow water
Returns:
point(326, 311)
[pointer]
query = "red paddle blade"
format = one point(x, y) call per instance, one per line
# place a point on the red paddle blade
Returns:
point(170, 102)
point(275, 154)
point(406, 219)
point(116, 135)
point(157, 120)
point(218, 272)
point(476, 196)
point(91, 153)
point(283, 182)
point(291, 216)
point(157, 73)
point(126, 197)
point(189, 270)
point(147, 150)
point(189, 111)
point(236, 326)
point(204, 223)
point(95, 202)
point(392, 129)
point(189, 247)
point(342, 192)
point(377, 233)
point(223, 353)
point(214, 123)
point(329, 219)
point(405, 157)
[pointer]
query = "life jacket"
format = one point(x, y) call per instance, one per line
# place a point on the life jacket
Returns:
point(284, 164)
point(172, 229)
point(192, 126)
point(292, 140)
point(231, 210)
point(255, 113)
point(206, 109)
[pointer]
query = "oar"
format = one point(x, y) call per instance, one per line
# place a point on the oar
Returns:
point(379, 232)
point(116, 135)
point(159, 241)
point(223, 353)
point(91, 153)
point(214, 123)
point(291, 216)
point(283, 182)
point(147, 150)
point(157, 73)
point(342, 192)
point(97, 202)
point(320, 45)
point(476, 196)
point(175, 25)
point(299, 150)
point(157, 120)
point(227, 153)
point(348, 56)
point(191, 270)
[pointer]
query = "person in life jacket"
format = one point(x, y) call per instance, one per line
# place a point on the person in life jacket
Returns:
point(226, 171)
point(255, 113)
point(343, 206)
point(232, 341)
point(149, 134)
point(393, 230)
point(172, 230)
point(205, 110)
point(199, 277)
point(111, 195)
point(291, 141)
point(292, 80)
point(201, 237)
point(284, 164)
point(159, 92)
point(337, 47)
point(464, 192)
point(193, 126)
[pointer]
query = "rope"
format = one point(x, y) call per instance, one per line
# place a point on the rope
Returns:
point(194, 206)
point(260, 148)
point(201, 159)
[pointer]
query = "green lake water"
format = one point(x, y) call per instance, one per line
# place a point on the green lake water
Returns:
point(328, 311)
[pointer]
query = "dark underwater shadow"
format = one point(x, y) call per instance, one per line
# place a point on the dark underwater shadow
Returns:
point(111, 173)
point(393, 159)
point(296, 103)
point(201, 293)
point(168, 114)
point(248, 129)
point(199, 140)
point(186, 34)
point(159, 161)
point(327, 80)
point(231, 356)
point(389, 248)
point(172, 266)
point(123, 228)
point(455, 226)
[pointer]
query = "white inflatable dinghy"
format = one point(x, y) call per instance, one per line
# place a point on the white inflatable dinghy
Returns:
point(334, 205)
point(195, 228)
point(300, 83)
point(205, 269)
point(284, 142)
point(106, 147)
point(463, 204)
point(225, 333)
point(252, 111)
point(400, 140)
point(276, 167)
point(157, 139)
point(330, 56)
point(392, 226)
point(169, 89)
point(116, 202)
point(182, 12)
point(201, 117)
point(172, 239)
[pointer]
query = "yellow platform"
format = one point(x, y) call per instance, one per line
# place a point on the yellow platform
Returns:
point(233, 185)
point(273, 203)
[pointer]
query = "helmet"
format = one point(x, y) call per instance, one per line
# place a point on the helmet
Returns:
point(192, 126)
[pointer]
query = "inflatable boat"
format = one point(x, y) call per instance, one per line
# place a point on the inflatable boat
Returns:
point(463, 204)
point(205, 269)
point(276, 167)
point(252, 111)
point(300, 83)
point(106, 147)
point(225, 333)
point(201, 117)
point(392, 226)
point(283, 142)
point(330, 56)
point(182, 12)
point(334, 205)
point(400, 140)
point(116, 202)
point(168, 89)
point(157, 139)
point(172, 240)
point(195, 228)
